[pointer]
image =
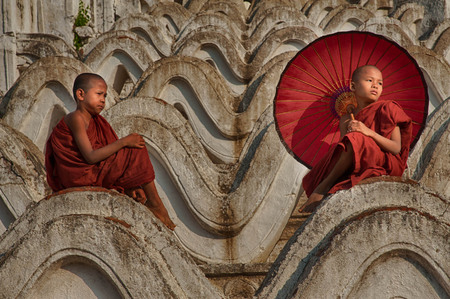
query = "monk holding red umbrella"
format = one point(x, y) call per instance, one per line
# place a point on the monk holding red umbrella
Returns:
point(387, 92)
point(374, 142)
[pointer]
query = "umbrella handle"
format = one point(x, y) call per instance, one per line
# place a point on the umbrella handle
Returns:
point(350, 109)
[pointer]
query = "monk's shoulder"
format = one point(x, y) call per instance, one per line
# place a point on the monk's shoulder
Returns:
point(71, 116)
point(393, 108)
point(74, 120)
point(390, 104)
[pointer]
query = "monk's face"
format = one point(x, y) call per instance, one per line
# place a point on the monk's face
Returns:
point(93, 100)
point(368, 86)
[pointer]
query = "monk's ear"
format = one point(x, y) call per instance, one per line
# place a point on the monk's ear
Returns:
point(352, 86)
point(80, 94)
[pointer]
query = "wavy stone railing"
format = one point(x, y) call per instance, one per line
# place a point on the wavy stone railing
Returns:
point(197, 80)
point(346, 248)
point(22, 173)
point(102, 233)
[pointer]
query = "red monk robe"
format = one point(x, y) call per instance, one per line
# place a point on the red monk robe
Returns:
point(369, 160)
point(66, 167)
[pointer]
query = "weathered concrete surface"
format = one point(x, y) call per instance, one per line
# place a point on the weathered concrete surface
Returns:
point(430, 159)
point(216, 201)
point(106, 232)
point(216, 65)
point(22, 175)
point(357, 234)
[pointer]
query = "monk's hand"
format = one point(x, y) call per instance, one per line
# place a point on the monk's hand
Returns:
point(134, 140)
point(137, 194)
point(357, 126)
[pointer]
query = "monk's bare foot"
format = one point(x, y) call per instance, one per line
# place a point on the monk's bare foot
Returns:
point(161, 213)
point(311, 204)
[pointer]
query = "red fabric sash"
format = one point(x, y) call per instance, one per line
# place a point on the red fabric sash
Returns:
point(66, 167)
point(369, 160)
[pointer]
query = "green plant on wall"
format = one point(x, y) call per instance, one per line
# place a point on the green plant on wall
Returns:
point(82, 19)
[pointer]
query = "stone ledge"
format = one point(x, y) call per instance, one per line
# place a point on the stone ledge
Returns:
point(220, 270)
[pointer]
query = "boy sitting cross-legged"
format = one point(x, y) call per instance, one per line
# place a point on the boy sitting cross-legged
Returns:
point(84, 150)
point(375, 143)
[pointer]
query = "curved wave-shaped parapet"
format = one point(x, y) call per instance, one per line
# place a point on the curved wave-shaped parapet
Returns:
point(105, 234)
point(194, 6)
point(23, 177)
point(39, 45)
point(162, 120)
point(172, 15)
point(434, 121)
point(438, 41)
point(209, 89)
point(106, 44)
point(273, 19)
point(214, 46)
point(120, 57)
point(215, 20)
point(209, 23)
point(235, 10)
point(213, 193)
point(144, 25)
point(218, 163)
point(235, 64)
point(410, 14)
point(434, 68)
point(278, 41)
point(214, 95)
point(403, 221)
point(345, 18)
point(316, 10)
point(393, 28)
point(258, 9)
point(429, 159)
point(42, 96)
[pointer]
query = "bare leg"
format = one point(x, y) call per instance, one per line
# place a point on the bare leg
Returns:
point(344, 162)
point(155, 204)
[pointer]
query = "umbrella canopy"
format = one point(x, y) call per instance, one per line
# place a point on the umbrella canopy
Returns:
point(305, 109)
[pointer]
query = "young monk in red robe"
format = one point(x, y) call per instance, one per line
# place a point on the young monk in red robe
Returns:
point(84, 150)
point(375, 143)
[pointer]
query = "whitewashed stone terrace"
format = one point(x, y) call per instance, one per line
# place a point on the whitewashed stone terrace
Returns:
point(216, 65)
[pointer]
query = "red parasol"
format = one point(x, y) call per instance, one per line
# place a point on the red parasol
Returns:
point(305, 110)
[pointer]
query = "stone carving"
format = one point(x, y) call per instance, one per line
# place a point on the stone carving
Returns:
point(115, 237)
point(210, 202)
point(358, 234)
point(434, 151)
point(197, 78)
point(23, 177)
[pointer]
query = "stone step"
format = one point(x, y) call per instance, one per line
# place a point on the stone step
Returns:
point(236, 280)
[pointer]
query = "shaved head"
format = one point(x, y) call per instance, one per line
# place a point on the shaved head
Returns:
point(84, 81)
point(357, 73)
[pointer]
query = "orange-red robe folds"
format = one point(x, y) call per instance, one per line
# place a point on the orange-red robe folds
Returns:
point(66, 167)
point(369, 159)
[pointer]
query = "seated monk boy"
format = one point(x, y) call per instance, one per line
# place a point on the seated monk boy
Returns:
point(375, 143)
point(84, 150)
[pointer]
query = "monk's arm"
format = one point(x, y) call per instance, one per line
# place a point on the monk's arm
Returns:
point(343, 124)
point(392, 145)
point(76, 125)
